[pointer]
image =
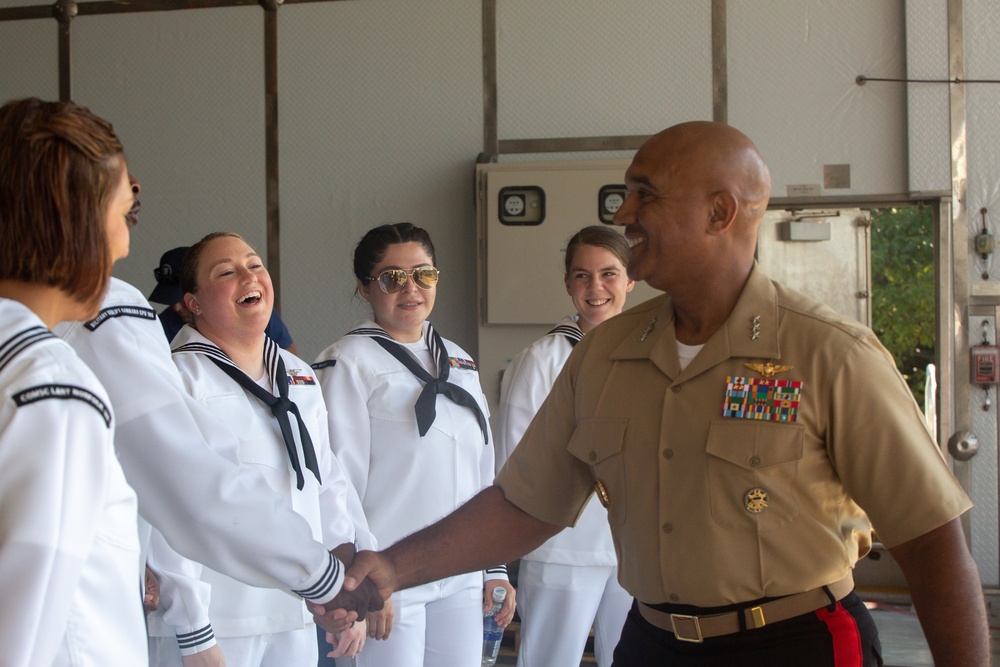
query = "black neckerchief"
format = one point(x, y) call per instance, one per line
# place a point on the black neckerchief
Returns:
point(280, 405)
point(425, 407)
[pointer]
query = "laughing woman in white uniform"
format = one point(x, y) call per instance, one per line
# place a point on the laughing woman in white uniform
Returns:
point(570, 583)
point(272, 402)
point(408, 420)
point(69, 545)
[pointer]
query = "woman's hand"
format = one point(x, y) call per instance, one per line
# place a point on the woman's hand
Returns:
point(506, 613)
point(208, 658)
point(349, 642)
point(151, 599)
point(380, 622)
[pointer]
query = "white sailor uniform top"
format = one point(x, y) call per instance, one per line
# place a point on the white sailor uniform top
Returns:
point(323, 499)
point(406, 480)
point(526, 382)
point(69, 549)
point(161, 439)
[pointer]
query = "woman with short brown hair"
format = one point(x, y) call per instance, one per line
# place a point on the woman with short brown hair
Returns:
point(69, 549)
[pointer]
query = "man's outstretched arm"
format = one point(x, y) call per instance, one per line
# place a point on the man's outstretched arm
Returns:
point(483, 532)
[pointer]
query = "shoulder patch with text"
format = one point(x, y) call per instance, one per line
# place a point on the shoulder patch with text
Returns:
point(120, 311)
point(65, 392)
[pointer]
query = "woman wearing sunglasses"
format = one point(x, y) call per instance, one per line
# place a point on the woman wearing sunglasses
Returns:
point(69, 545)
point(408, 420)
point(272, 403)
point(570, 583)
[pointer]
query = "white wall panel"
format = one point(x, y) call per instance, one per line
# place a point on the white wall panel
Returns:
point(568, 68)
point(30, 57)
point(983, 423)
point(185, 92)
point(982, 61)
point(381, 121)
point(928, 120)
point(792, 69)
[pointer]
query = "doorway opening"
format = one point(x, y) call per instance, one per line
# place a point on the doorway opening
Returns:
point(903, 306)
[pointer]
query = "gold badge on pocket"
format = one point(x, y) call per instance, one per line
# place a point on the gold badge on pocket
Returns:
point(755, 500)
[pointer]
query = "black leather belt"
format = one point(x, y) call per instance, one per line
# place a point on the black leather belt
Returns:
point(690, 628)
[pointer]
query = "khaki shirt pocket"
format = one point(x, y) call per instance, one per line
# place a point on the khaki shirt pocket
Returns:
point(752, 473)
point(599, 444)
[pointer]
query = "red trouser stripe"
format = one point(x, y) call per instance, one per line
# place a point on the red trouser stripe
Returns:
point(844, 635)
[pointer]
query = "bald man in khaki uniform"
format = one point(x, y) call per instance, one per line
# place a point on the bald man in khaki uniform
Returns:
point(745, 440)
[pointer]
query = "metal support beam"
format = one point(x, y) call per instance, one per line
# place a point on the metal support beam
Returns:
point(720, 66)
point(273, 200)
point(64, 11)
point(491, 145)
point(959, 186)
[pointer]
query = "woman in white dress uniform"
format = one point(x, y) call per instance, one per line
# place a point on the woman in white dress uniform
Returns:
point(69, 546)
point(408, 420)
point(272, 402)
point(570, 583)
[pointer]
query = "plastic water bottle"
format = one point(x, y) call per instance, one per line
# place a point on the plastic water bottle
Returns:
point(493, 633)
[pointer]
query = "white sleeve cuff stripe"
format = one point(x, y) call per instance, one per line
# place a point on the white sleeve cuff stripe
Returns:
point(328, 583)
point(196, 638)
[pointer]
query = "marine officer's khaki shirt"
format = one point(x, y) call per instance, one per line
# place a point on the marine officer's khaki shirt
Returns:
point(708, 509)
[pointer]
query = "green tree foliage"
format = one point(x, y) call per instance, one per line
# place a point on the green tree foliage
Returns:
point(903, 289)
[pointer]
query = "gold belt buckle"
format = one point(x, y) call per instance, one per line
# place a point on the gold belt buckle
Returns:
point(757, 614)
point(692, 623)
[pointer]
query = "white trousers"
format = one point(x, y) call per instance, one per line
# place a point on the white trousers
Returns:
point(435, 625)
point(559, 604)
point(296, 648)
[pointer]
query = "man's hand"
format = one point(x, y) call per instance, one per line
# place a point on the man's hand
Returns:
point(348, 606)
point(344, 553)
point(372, 567)
point(151, 598)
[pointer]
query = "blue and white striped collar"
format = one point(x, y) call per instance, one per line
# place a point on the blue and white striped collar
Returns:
point(189, 341)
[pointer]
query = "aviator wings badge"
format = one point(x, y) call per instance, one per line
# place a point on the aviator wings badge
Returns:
point(768, 370)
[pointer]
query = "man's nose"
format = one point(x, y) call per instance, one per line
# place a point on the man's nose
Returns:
point(625, 214)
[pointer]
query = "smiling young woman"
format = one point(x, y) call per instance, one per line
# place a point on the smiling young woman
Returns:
point(408, 419)
point(570, 583)
point(272, 403)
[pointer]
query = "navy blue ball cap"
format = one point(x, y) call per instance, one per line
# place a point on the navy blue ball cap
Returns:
point(168, 277)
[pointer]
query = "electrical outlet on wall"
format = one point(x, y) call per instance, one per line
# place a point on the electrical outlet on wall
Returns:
point(521, 205)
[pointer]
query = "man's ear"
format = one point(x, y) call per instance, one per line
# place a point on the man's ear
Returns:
point(725, 208)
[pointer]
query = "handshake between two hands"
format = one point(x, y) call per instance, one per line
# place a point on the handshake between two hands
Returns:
point(359, 595)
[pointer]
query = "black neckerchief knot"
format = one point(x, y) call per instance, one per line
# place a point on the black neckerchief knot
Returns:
point(280, 406)
point(425, 407)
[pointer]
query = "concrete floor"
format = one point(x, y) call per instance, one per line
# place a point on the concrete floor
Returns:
point(903, 642)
